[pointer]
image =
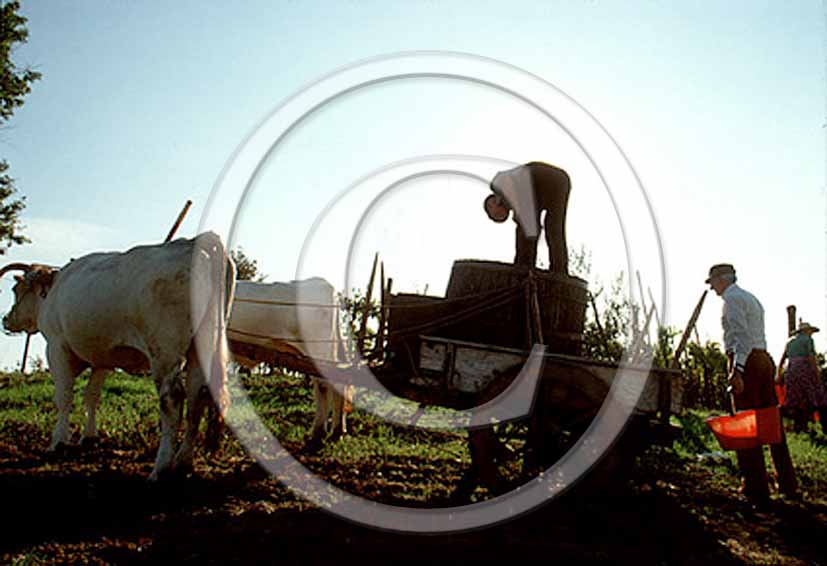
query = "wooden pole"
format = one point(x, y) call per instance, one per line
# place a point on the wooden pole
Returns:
point(178, 221)
point(665, 385)
point(657, 322)
point(690, 325)
point(379, 347)
point(635, 317)
point(363, 327)
point(790, 320)
point(638, 341)
point(528, 316)
point(643, 303)
point(25, 354)
point(657, 313)
point(387, 307)
point(538, 320)
point(388, 303)
point(603, 344)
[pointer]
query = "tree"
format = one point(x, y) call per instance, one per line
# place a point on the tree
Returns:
point(15, 84)
point(606, 339)
point(246, 268)
point(352, 312)
point(706, 367)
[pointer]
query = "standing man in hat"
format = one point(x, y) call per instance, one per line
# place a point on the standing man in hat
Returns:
point(751, 377)
point(528, 190)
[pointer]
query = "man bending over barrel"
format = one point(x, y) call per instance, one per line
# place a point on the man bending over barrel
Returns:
point(528, 190)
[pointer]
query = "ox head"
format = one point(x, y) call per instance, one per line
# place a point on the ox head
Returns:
point(29, 291)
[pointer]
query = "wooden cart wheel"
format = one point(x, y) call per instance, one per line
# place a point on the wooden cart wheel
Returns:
point(568, 400)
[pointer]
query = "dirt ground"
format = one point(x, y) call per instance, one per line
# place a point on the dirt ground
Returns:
point(94, 506)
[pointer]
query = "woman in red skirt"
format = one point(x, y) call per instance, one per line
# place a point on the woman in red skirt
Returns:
point(805, 391)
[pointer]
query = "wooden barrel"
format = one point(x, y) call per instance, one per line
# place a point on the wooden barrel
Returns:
point(486, 303)
point(562, 301)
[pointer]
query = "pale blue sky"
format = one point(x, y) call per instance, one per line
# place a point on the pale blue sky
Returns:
point(718, 105)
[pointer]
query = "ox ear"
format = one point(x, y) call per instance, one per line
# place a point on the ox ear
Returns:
point(18, 278)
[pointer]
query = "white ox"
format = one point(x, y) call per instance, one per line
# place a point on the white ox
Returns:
point(296, 318)
point(158, 308)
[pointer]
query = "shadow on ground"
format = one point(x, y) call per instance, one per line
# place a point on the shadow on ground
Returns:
point(95, 506)
point(244, 516)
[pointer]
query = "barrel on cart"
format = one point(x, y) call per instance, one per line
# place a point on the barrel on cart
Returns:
point(491, 303)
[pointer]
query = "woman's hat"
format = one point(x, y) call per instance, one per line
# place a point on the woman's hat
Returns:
point(495, 208)
point(806, 327)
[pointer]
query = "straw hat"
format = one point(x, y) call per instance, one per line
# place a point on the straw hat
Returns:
point(806, 327)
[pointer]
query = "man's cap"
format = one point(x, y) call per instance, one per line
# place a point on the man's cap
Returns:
point(720, 269)
point(806, 327)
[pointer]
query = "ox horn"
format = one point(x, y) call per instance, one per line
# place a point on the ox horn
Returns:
point(15, 267)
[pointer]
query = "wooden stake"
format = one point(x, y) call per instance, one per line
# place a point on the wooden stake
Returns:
point(640, 290)
point(379, 347)
point(603, 345)
point(25, 354)
point(665, 385)
point(690, 325)
point(657, 315)
point(635, 318)
point(790, 320)
point(535, 309)
point(363, 327)
point(638, 341)
point(178, 221)
point(388, 306)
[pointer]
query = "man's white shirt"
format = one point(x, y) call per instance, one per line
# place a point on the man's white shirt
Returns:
point(743, 323)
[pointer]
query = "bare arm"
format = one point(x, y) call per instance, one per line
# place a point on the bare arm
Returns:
point(779, 375)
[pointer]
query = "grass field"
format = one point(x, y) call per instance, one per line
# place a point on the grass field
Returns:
point(93, 505)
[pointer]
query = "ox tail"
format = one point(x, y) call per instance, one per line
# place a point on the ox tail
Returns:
point(222, 275)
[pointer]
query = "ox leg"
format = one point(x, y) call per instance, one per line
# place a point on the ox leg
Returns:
point(63, 373)
point(322, 402)
point(197, 398)
point(171, 394)
point(336, 402)
point(91, 400)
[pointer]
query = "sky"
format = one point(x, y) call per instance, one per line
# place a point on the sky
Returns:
point(718, 106)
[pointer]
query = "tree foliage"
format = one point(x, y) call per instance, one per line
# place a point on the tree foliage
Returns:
point(15, 84)
point(705, 368)
point(352, 312)
point(246, 268)
point(606, 331)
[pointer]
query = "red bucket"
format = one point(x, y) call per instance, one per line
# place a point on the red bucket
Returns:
point(747, 429)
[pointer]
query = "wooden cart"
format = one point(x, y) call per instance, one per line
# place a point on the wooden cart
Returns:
point(464, 350)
